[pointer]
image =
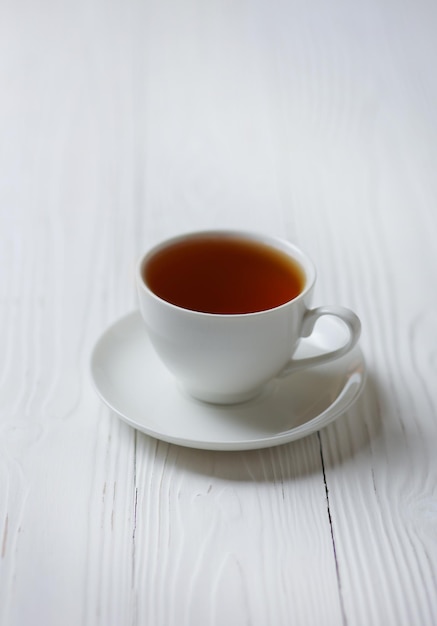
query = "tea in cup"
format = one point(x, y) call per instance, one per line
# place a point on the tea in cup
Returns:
point(226, 310)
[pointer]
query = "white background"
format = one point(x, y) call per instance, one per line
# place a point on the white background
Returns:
point(124, 122)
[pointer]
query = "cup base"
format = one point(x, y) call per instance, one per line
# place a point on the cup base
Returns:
point(224, 398)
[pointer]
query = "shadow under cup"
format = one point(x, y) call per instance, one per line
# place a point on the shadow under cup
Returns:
point(225, 310)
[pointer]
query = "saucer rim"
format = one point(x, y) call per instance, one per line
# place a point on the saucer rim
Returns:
point(315, 424)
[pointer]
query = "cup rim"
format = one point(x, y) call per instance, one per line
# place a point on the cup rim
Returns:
point(306, 264)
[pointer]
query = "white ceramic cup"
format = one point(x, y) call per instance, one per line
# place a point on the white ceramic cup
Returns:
point(228, 358)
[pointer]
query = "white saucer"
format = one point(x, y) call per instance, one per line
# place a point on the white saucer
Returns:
point(132, 381)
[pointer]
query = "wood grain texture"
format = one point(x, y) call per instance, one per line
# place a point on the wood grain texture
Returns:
point(122, 123)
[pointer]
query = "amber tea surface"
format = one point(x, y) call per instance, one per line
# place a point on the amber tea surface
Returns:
point(223, 275)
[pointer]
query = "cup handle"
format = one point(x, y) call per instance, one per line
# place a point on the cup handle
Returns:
point(309, 321)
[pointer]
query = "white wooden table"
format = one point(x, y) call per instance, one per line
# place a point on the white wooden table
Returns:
point(122, 123)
